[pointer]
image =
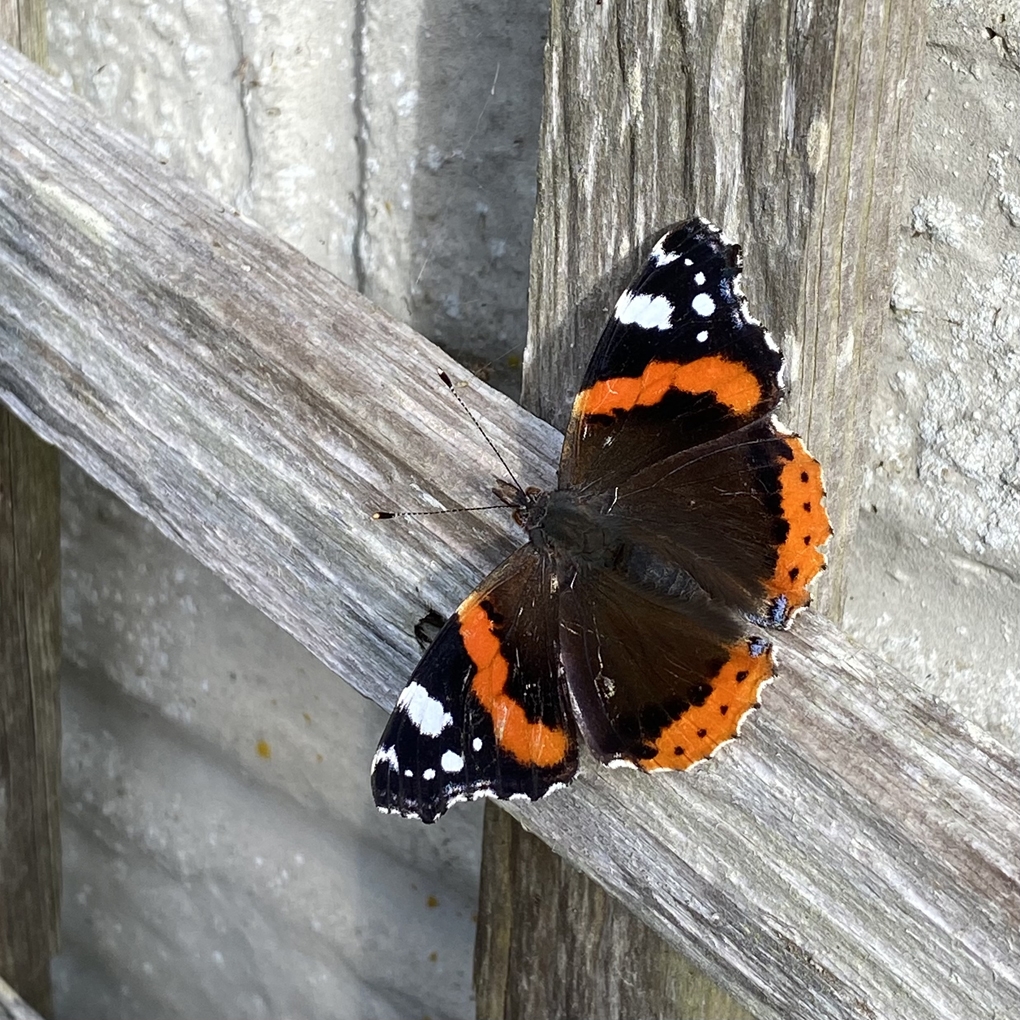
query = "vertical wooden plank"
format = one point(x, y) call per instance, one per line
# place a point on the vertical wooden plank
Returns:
point(552, 943)
point(29, 709)
point(788, 125)
point(29, 665)
point(23, 25)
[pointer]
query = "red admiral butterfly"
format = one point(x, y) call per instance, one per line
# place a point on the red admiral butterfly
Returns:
point(687, 523)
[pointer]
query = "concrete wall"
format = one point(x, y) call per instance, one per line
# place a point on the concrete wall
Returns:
point(220, 861)
point(936, 581)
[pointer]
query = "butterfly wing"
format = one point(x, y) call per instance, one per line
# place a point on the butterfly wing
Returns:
point(717, 510)
point(661, 679)
point(484, 713)
point(680, 363)
point(743, 514)
point(674, 420)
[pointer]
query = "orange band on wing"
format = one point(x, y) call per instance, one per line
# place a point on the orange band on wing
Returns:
point(702, 728)
point(729, 382)
point(799, 556)
point(532, 743)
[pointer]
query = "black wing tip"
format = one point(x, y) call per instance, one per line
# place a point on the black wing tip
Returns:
point(411, 811)
point(395, 802)
point(697, 230)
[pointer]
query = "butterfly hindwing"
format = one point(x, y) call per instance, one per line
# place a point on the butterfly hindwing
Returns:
point(677, 685)
point(743, 514)
point(484, 713)
point(679, 363)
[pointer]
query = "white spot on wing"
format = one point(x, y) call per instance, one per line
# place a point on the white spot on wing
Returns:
point(659, 254)
point(424, 711)
point(622, 302)
point(703, 336)
point(703, 305)
point(429, 774)
point(451, 761)
point(688, 262)
point(409, 773)
point(649, 311)
point(782, 429)
point(699, 279)
point(388, 754)
point(477, 743)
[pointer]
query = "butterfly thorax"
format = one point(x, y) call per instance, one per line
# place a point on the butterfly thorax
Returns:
point(579, 532)
point(573, 528)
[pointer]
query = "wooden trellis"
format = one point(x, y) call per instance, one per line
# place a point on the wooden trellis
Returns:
point(856, 856)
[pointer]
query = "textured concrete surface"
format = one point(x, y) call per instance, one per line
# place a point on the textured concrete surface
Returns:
point(453, 100)
point(223, 856)
point(936, 581)
point(219, 859)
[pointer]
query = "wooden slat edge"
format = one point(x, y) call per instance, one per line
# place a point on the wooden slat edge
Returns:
point(30, 634)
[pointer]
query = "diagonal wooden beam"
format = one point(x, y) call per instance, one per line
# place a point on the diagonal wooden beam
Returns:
point(854, 856)
point(13, 1006)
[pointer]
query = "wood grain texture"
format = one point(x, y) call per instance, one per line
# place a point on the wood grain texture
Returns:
point(789, 126)
point(29, 709)
point(784, 123)
point(30, 864)
point(23, 26)
point(553, 943)
point(854, 856)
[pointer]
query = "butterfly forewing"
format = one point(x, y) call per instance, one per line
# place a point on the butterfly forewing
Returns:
point(484, 713)
point(679, 364)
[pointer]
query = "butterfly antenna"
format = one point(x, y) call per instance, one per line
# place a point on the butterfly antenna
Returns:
point(385, 515)
point(492, 446)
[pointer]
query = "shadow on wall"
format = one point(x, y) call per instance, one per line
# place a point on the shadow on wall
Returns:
point(473, 197)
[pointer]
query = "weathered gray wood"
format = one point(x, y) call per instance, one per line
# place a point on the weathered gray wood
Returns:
point(13, 1006)
point(854, 856)
point(29, 709)
point(30, 867)
point(23, 26)
point(553, 943)
point(789, 127)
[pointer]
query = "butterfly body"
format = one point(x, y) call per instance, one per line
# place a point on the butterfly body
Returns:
point(687, 523)
point(568, 528)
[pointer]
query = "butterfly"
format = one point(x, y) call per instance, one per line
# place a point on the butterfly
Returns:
point(686, 524)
